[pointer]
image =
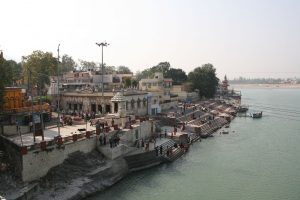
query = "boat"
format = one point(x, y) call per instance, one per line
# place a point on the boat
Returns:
point(256, 114)
point(227, 126)
point(225, 132)
point(243, 109)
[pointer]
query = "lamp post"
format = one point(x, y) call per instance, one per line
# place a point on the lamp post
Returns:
point(102, 44)
point(58, 95)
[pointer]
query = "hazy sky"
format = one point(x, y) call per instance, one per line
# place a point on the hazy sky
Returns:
point(251, 38)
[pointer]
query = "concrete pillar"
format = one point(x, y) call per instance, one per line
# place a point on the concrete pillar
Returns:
point(103, 108)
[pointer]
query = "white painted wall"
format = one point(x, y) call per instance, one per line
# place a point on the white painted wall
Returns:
point(167, 106)
point(37, 165)
point(12, 130)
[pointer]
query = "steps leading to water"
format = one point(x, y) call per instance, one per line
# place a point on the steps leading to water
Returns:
point(142, 160)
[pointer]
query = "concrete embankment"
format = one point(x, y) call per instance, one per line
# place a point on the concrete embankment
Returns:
point(79, 176)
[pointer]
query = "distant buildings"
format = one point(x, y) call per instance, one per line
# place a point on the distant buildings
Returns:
point(81, 80)
point(81, 91)
point(160, 85)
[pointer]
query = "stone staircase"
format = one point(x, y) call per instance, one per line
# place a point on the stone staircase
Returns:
point(210, 127)
point(166, 145)
point(143, 160)
point(194, 137)
point(176, 153)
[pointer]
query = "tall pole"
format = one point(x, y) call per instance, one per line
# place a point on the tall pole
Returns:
point(58, 94)
point(102, 76)
point(102, 44)
point(31, 93)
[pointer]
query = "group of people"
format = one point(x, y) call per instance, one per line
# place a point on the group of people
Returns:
point(83, 115)
point(113, 141)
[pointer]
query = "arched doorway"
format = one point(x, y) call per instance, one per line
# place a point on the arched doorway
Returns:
point(107, 108)
point(116, 107)
point(93, 107)
point(99, 108)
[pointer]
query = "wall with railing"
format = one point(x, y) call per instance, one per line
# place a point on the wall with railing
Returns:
point(39, 159)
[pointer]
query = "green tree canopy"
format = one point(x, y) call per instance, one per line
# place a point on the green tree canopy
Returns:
point(149, 73)
point(177, 75)
point(42, 65)
point(87, 65)
point(123, 70)
point(67, 64)
point(10, 72)
point(109, 69)
point(127, 82)
point(2, 80)
point(205, 80)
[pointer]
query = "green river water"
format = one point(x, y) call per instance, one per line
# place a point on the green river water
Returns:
point(258, 159)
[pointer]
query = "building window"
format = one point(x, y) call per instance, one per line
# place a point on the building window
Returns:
point(70, 106)
point(126, 105)
point(144, 102)
point(80, 106)
point(132, 104)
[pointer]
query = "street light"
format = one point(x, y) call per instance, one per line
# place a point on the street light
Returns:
point(58, 95)
point(102, 44)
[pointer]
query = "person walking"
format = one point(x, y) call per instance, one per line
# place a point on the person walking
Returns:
point(104, 140)
point(168, 151)
point(101, 140)
point(110, 143)
point(156, 151)
point(143, 144)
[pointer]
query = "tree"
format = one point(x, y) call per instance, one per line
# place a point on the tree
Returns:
point(2, 83)
point(134, 83)
point(42, 65)
point(109, 69)
point(147, 73)
point(123, 70)
point(205, 80)
point(67, 64)
point(13, 71)
point(10, 72)
point(177, 75)
point(127, 82)
point(88, 65)
point(163, 67)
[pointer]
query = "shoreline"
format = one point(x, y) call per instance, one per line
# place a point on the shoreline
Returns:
point(84, 174)
point(264, 86)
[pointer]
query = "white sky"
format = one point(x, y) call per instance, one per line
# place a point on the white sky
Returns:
point(250, 38)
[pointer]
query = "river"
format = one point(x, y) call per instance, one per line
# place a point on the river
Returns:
point(258, 159)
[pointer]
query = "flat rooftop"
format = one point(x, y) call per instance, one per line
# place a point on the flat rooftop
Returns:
point(49, 134)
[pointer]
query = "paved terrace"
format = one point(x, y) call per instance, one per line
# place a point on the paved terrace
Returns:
point(49, 134)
